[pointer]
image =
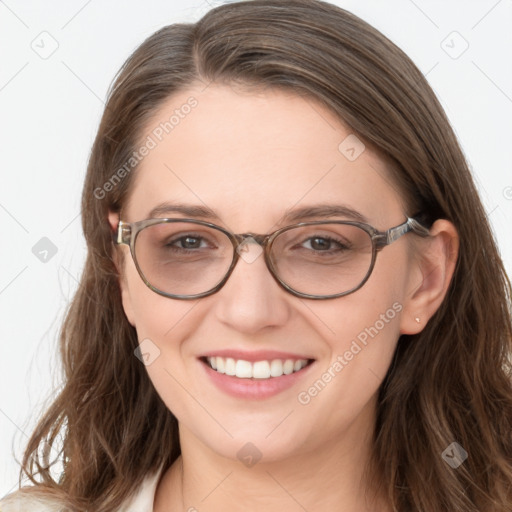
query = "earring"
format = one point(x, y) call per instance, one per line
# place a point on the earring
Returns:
point(417, 319)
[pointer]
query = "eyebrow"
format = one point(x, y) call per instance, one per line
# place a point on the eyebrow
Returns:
point(323, 211)
point(189, 210)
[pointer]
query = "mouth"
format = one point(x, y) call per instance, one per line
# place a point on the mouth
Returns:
point(265, 369)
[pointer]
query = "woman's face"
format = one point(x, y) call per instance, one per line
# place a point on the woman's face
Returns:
point(251, 158)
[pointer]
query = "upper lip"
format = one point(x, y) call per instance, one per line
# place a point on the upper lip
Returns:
point(256, 355)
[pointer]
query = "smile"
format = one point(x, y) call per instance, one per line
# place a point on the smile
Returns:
point(265, 369)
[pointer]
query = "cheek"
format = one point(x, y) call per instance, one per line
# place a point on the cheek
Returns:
point(371, 312)
point(364, 335)
point(154, 315)
point(361, 331)
point(361, 350)
point(161, 323)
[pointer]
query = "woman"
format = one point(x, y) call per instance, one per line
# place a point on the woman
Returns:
point(287, 295)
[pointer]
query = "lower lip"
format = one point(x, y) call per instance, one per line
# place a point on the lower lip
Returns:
point(255, 389)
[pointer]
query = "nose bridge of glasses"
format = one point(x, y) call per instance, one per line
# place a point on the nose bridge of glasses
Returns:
point(250, 246)
point(251, 238)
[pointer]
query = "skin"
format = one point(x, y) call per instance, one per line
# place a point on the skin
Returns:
point(235, 152)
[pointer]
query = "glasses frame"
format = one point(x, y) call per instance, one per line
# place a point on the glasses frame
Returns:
point(127, 233)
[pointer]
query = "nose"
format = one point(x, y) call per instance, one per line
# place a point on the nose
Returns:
point(251, 299)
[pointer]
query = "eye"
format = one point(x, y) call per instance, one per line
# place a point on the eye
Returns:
point(322, 243)
point(188, 242)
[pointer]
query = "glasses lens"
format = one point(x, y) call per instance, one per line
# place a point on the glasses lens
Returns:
point(182, 258)
point(322, 259)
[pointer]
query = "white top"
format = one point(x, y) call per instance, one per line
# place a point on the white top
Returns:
point(141, 502)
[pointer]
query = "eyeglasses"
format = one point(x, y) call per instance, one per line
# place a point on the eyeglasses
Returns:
point(189, 259)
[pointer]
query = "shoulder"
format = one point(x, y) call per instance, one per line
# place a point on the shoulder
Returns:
point(23, 502)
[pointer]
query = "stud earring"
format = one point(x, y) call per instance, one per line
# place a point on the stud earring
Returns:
point(417, 319)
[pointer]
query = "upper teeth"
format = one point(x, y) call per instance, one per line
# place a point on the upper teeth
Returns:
point(258, 370)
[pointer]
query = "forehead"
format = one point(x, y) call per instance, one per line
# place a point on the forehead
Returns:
point(252, 155)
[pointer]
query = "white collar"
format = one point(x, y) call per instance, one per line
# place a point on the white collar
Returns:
point(144, 499)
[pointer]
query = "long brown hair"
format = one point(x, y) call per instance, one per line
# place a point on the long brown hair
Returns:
point(451, 382)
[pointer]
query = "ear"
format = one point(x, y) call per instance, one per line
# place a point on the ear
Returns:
point(432, 272)
point(113, 219)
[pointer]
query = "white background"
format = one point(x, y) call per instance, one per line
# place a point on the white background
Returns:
point(50, 109)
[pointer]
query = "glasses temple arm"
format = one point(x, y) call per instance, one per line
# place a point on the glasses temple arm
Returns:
point(122, 234)
point(411, 225)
